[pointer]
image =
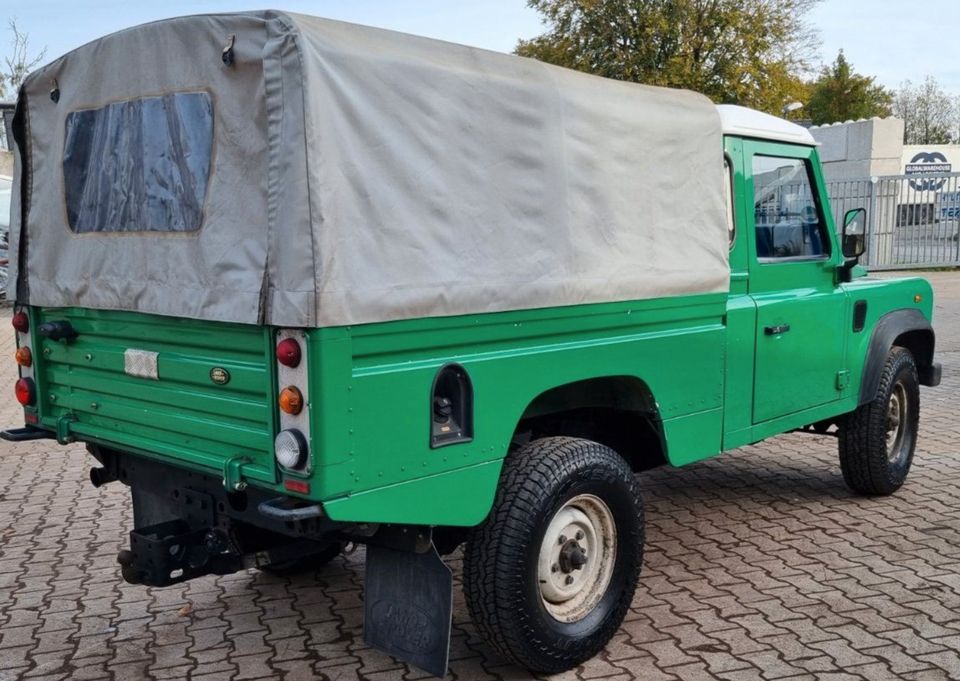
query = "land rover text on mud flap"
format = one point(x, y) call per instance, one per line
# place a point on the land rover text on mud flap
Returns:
point(299, 283)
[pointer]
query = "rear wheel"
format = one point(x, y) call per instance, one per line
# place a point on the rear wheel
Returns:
point(549, 575)
point(877, 440)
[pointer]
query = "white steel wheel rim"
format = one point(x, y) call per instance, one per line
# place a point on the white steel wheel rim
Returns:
point(576, 558)
point(896, 421)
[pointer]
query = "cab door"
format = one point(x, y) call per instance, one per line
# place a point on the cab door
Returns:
point(801, 308)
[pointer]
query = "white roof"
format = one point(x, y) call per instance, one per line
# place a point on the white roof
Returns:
point(744, 122)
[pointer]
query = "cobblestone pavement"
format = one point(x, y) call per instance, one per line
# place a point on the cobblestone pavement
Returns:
point(760, 565)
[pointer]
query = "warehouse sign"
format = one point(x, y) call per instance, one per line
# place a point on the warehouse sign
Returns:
point(924, 163)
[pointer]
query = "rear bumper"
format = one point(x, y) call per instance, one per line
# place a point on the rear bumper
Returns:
point(187, 524)
point(26, 434)
point(174, 492)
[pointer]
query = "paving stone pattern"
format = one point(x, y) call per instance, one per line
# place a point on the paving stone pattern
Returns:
point(760, 565)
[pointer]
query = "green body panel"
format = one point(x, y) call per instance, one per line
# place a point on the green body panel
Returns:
point(777, 383)
point(717, 379)
point(184, 416)
point(379, 410)
point(797, 369)
point(882, 296)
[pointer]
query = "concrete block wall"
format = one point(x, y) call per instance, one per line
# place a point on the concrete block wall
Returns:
point(862, 148)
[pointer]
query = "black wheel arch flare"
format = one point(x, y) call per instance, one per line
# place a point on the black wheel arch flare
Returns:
point(909, 329)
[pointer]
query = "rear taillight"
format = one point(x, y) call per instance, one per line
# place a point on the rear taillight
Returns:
point(288, 352)
point(291, 400)
point(292, 444)
point(20, 321)
point(24, 356)
point(25, 391)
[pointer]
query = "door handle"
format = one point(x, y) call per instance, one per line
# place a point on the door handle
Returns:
point(776, 330)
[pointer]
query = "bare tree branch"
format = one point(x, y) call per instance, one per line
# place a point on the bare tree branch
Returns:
point(928, 113)
point(18, 64)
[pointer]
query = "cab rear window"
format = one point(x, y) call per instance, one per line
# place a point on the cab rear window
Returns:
point(140, 165)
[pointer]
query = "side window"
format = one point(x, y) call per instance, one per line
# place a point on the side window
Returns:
point(728, 196)
point(788, 221)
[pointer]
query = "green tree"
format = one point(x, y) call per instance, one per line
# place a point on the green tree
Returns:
point(842, 94)
point(929, 115)
point(751, 52)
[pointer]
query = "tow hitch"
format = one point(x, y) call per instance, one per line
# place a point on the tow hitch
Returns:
point(170, 552)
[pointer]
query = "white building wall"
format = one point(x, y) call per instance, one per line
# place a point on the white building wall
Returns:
point(904, 213)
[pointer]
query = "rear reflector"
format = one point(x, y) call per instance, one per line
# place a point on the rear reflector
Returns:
point(24, 357)
point(20, 321)
point(298, 486)
point(288, 352)
point(25, 391)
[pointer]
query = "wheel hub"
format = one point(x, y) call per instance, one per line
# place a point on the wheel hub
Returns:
point(895, 421)
point(576, 558)
point(572, 557)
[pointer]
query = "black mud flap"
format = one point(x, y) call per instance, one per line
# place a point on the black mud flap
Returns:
point(408, 606)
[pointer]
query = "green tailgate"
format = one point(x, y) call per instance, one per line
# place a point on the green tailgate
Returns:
point(184, 414)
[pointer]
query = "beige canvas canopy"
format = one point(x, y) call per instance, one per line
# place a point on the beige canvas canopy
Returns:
point(282, 169)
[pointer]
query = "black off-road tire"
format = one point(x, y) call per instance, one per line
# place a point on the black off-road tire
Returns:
point(870, 465)
point(500, 572)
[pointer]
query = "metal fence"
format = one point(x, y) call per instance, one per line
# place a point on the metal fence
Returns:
point(6, 125)
point(912, 220)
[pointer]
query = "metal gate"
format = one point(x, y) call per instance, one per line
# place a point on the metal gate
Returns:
point(912, 220)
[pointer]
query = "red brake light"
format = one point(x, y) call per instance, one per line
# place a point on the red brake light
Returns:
point(20, 321)
point(288, 352)
point(25, 391)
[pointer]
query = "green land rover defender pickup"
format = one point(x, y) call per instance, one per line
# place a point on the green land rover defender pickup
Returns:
point(300, 284)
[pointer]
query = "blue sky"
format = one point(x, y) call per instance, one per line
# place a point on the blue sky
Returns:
point(891, 39)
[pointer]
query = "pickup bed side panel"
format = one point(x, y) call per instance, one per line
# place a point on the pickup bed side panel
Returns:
point(376, 462)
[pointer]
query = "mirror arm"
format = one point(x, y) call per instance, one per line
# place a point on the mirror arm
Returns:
point(846, 269)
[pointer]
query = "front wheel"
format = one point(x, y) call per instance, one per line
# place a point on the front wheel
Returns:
point(878, 439)
point(549, 575)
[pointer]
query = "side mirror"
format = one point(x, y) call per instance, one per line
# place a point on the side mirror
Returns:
point(854, 233)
